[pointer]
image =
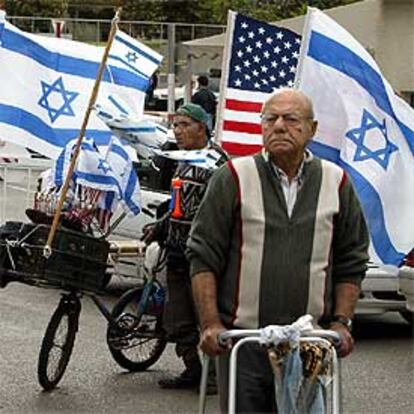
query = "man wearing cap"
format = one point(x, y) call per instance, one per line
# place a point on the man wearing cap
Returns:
point(189, 184)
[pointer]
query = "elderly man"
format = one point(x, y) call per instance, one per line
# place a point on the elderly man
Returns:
point(278, 235)
point(189, 184)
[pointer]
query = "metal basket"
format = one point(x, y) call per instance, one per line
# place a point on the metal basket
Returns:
point(78, 260)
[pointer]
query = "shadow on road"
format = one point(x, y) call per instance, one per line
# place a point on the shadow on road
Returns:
point(381, 327)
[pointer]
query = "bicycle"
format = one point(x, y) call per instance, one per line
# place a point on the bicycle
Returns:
point(135, 336)
point(134, 323)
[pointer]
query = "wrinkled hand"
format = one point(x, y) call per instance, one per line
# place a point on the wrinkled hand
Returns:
point(347, 341)
point(209, 341)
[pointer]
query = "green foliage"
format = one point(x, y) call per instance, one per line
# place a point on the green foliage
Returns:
point(40, 8)
point(186, 11)
point(190, 11)
point(269, 10)
point(140, 10)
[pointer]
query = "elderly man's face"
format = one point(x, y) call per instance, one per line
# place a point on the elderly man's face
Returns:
point(189, 134)
point(286, 125)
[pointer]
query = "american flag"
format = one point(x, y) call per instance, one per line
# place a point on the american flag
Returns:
point(258, 59)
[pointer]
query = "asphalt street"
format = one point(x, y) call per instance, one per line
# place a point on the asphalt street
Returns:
point(378, 378)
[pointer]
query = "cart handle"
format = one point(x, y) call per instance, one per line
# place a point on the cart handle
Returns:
point(225, 336)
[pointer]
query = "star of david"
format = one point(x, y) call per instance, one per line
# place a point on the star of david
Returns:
point(363, 152)
point(103, 165)
point(56, 94)
point(132, 57)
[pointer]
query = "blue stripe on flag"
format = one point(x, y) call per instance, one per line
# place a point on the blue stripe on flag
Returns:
point(371, 203)
point(127, 64)
point(124, 77)
point(333, 54)
point(325, 151)
point(137, 49)
point(1, 31)
point(120, 151)
point(105, 114)
point(98, 179)
point(109, 199)
point(60, 162)
point(138, 129)
point(129, 192)
point(73, 66)
point(88, 145)
point(117, 105)
point(34, 125)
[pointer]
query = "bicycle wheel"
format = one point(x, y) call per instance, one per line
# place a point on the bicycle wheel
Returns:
point(138, 348)
point(57, 344)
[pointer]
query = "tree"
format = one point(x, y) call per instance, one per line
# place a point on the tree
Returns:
point(269, 10)
point(39, 8)
point(186, 11)
point(144, 10)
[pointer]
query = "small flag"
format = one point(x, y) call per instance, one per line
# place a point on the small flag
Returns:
point(111, 172)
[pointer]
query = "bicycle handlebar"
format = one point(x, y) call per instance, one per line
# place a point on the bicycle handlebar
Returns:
point(330, 335)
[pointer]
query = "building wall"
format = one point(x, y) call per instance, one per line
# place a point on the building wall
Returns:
point(360, 19)
point(396, 51)
point(386, 29)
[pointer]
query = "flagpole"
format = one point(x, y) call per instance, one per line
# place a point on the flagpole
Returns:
point(224, 75)
point(303, 47)
point(47, 251)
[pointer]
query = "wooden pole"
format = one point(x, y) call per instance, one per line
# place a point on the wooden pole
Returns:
point(47, 251)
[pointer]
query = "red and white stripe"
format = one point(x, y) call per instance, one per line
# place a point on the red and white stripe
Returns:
point(240, 131)
point(238, 117)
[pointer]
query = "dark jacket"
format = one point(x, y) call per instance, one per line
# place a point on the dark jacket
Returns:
point(206, 99)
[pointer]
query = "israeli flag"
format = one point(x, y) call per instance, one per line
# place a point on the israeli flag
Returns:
point(365, 128)
point(111, 172)
point(122, 167)
point(133, 55)
point(144, 134)
point(206, 158)
point(47, 83)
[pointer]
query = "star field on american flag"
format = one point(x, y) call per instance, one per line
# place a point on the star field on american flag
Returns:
point(264, 57)
point(259, 58)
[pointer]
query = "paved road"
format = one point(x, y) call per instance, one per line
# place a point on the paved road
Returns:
point(377, 378)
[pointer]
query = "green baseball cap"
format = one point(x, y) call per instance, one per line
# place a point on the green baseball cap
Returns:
point(194, 111)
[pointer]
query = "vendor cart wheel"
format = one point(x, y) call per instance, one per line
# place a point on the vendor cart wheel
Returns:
point(137, 348)
point(57, 344)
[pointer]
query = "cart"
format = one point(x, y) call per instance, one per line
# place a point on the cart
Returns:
point(78, 265)
point(239, 337)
